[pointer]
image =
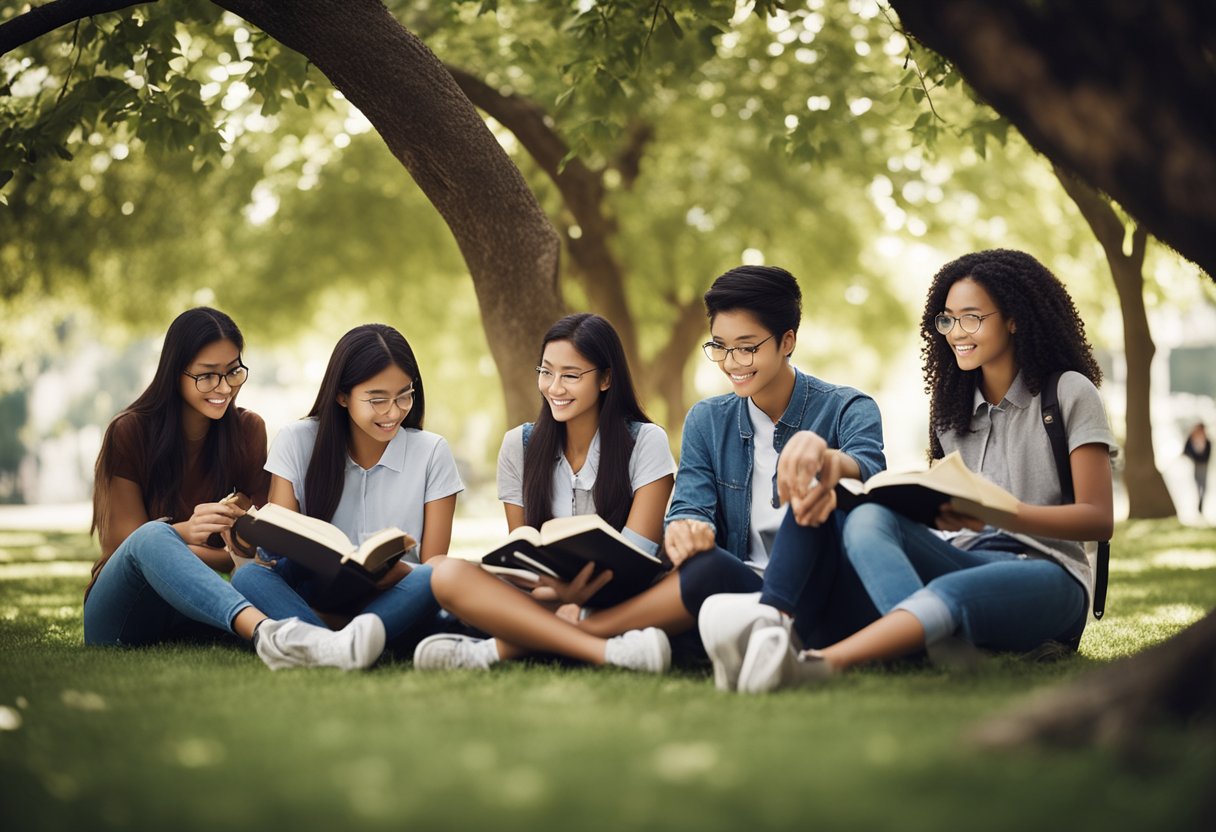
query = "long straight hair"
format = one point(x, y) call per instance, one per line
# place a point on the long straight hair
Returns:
point(159, 411)
point(360, 354)
point(595, 340)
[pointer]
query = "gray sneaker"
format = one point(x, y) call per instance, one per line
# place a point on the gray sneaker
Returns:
point(449, 651)
point(290, 642)
point(726, 623)
point(772, 661)
point(646, 650)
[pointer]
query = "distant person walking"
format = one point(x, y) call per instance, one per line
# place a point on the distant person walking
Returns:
point(1198, 449)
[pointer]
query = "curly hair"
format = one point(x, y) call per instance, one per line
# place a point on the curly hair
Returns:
point(1050, 334)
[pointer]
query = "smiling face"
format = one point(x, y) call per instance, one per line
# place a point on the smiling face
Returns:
point(217, 357)
point(569, 399)
point(739, 328)
point(991, 345)
point(393, 384)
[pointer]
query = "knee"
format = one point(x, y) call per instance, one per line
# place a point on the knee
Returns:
point(152, 540)
point(864, 523)
point(446, 576)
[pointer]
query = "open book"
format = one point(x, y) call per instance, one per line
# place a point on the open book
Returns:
point(348, 572)
point(564, 545)
point(920, 494)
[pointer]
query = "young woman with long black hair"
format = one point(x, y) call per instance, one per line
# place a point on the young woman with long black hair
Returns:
point(362, 461)
point(172, 454)
point(591, 450)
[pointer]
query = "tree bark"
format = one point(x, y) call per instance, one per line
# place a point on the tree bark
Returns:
point(1147, 494)
point(1123, 93)
point(48, 17)
point(507, 241)
point(1172, 681)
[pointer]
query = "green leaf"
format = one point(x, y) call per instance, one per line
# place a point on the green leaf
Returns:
point(673, 25)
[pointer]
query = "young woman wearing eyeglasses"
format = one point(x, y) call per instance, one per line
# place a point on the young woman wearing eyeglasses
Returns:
point(997, 324)
point(591, 450)
point(362, 461)
point(173, 454)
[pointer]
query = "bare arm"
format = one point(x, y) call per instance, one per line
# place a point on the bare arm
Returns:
point(649, 506)
point(126, 514)
point(515, 516)
point(437, 522)
point(1091, 517)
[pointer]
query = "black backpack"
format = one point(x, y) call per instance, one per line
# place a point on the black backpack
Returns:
point(1057, 432)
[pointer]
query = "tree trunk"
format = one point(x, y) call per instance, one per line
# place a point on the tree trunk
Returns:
point(1120, 92)
point(1116, 705)
point(582, 192)
point(1146, 492)
point(507, 241)
point(666, 370)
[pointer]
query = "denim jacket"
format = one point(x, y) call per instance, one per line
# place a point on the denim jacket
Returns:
point(714, 483)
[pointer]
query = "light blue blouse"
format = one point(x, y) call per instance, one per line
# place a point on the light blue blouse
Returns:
point(417, 467)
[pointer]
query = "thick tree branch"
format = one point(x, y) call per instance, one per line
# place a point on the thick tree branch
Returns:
point(1125, 99)
point(508, 243)
point(1098, 213)
point(628, 162)
point(582, 192)
point(48, 17)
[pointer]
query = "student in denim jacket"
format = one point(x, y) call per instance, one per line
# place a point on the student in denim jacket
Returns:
point(782, 437)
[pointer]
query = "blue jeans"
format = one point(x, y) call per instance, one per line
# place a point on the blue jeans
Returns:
point(153, 587)
point(992, 597)
point(806, 576)
point(286, 589)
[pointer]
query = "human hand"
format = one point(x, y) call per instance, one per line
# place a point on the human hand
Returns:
point(395, 573)
point(685, 538)
point(807, 473)
point(207, 519)
point(950, 520)
point(578, 590)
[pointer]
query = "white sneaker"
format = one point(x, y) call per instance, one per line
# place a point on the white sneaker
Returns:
point(726, 623)
point(646, 650)
point(290, 642)
point(449, 651)
point(772, 661)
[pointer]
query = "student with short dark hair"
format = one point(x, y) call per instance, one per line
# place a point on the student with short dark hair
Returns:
point(997, 325)
point(362, 461)
point(173, 454)
point(759, 460)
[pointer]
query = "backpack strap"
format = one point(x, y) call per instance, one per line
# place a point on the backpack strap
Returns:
point(1057, 433)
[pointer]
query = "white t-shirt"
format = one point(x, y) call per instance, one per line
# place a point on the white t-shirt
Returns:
point(766, 520)
point(572, 490)
point(417, 467)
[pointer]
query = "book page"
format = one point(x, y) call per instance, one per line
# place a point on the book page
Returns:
point(526, 533)
point(380, 546)
point(560, 528)
point(317, 529)
point(949, 475)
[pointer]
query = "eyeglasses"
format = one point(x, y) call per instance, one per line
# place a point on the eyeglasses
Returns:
point(546, 376)
point(206, 382)
point(969, 322)
point(382, 406)
point(744, 356)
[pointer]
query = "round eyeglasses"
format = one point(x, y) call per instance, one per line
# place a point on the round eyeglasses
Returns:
point(546, 376)
point(969, 322)
point(744, 356)
point(206, 382)
point(381, 405)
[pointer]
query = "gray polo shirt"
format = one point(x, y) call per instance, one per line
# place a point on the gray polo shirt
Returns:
point(1008, 444)
point(416, 468)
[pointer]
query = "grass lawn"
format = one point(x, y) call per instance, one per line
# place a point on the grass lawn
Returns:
point(204, 737)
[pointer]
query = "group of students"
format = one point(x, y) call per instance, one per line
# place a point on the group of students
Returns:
point(775, 585)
